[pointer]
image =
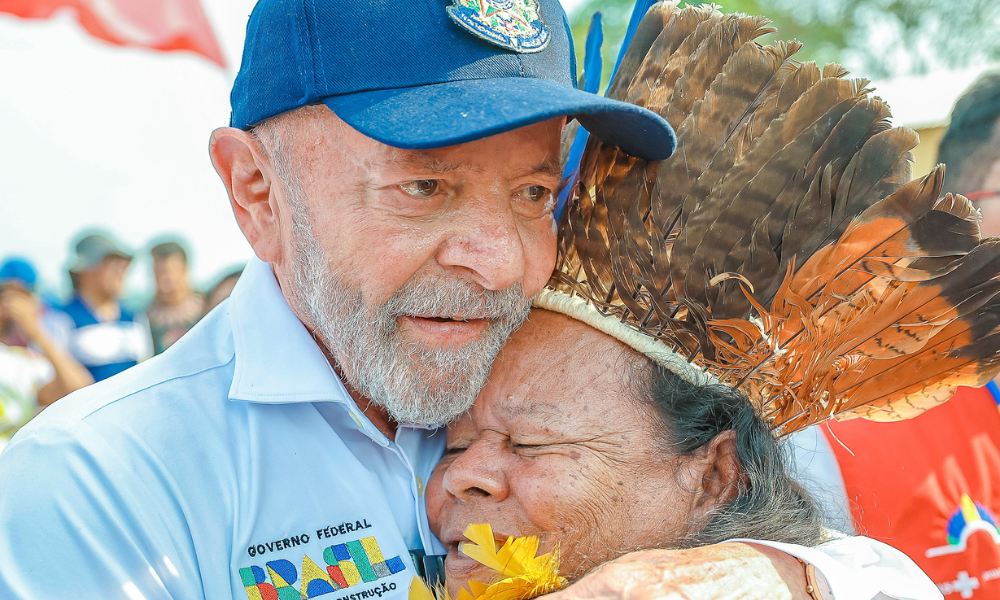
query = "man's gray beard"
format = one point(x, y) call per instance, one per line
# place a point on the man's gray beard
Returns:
point(415, 384)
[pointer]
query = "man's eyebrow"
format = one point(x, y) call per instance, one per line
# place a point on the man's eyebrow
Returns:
point(425, 161)
point(548, 167)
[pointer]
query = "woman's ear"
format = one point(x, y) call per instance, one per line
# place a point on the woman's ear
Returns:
point(721, 475)
point(248, 176)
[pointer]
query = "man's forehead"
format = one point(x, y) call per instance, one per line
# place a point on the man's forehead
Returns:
point(441, 161)
point(431, 160)
point(316, 126)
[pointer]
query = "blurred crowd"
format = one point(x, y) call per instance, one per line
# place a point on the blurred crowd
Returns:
point(50, 347)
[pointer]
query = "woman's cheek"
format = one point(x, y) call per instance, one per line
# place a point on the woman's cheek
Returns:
point(546, 487)
point(437, 500)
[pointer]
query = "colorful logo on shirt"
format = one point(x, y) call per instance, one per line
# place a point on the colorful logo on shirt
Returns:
point(345, 565)
point(968, 518)
point(512, 24)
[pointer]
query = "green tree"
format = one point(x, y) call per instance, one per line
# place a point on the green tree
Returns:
point(873, 38)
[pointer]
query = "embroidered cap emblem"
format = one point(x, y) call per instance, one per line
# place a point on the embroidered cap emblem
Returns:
point(512, 24)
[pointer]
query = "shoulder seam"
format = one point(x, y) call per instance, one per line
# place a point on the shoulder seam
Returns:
point(157, 383)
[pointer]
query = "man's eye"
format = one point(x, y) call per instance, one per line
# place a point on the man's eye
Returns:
point(536, 193)
point(421, 188)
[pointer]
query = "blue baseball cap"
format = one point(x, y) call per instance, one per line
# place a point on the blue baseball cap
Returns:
point(18, 271)
point(429, 73)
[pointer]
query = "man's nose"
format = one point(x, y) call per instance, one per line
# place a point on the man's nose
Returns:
point(486, 243)
point(475, 475)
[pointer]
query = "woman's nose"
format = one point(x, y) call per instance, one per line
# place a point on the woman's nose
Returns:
point(477, 475)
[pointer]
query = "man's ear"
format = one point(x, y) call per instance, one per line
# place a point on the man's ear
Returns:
point(721, 475)
point(248, 176)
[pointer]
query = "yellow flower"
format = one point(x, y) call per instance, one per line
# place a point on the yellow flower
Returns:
point(519, 574)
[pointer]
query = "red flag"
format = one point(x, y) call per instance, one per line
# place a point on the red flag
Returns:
point(156, 24)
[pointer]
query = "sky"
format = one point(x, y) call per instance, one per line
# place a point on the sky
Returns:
point(96, 135)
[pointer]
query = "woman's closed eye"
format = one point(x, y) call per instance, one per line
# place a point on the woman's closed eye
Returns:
point(532, 449)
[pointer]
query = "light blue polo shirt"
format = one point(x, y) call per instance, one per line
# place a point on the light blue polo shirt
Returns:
point(234, 465)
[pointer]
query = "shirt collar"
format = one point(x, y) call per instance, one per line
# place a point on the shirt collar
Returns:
point(277, 359)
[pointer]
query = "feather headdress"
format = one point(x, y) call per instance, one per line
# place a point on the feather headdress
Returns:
point(783, 249)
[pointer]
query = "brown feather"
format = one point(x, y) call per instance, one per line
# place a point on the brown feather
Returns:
point(727, 39)
point(827, 95)
point(790, 81)
point(665, 62)
point(715, 240)
point(645, 35)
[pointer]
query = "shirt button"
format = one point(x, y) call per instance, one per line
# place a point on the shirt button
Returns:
point(420, 487)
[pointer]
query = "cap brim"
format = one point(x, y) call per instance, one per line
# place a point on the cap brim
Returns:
point(446, 114)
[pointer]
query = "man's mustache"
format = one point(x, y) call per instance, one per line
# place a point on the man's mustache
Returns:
point(456, 299)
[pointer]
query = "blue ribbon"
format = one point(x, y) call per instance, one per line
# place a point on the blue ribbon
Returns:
point(994, 391)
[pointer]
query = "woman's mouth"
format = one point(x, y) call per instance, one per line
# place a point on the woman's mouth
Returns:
point(459, 566)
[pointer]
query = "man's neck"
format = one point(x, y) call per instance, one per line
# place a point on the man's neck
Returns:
point(174, 299)
point(105, 308)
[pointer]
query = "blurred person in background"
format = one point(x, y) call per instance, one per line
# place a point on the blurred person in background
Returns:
point(17, 273)
point(971, 149)
point(176, 307)
point(221, 290)
point(39, 371)
point(106, 337)
point(930, 486)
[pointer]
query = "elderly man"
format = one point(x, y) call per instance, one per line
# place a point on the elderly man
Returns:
point(392, 165)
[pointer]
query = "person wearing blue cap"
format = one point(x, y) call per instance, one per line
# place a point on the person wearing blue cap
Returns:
point(16, 274)
point(393, 165)
point(35, 369)
point(19, 278)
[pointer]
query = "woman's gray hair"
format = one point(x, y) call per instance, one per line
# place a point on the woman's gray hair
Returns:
point(769, 504)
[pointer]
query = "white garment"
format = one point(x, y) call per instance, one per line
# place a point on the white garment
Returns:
point(112, 342)
point(234, 461)
point(860, 568)
point(22, 373)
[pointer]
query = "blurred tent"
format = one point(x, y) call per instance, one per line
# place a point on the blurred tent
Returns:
point(155, 24)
